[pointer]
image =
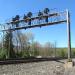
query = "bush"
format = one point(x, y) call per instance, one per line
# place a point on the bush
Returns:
point(19, 54)
point(62, 53)
point(73, 53)
point(3, 54)
point(25, 54)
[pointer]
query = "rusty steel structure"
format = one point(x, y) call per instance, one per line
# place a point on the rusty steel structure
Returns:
point(40, 20)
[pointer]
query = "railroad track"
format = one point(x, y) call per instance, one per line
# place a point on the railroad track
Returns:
point(28, 60)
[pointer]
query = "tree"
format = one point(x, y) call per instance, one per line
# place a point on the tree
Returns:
point(62, 53)
point(20, 41)
point(8, 45)
point(48, 49)
point(24, 41)
point(30, 37)
point(36, 48)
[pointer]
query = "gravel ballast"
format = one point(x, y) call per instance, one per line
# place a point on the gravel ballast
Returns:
point(37, 68)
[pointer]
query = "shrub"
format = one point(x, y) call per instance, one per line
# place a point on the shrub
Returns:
point(3, 54)
point(25, 54)
point(62, 53)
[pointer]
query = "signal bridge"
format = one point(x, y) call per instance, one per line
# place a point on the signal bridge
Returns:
point(45, 18)
point(51, 18)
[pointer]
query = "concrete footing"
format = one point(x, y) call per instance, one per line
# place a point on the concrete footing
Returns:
point(68, 64)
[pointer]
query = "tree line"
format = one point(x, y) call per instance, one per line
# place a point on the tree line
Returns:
point(23, 45)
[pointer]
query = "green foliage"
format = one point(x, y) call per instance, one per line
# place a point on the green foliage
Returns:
point(25, 54)
point(3, 54)
point(8, 45)
point(19, 54)
point(61, 52)
point(73, 53)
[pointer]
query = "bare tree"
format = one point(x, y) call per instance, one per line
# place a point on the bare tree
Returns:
point(36, 48)
point(48, 49)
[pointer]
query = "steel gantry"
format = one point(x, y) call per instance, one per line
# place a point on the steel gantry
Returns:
point(45, 18)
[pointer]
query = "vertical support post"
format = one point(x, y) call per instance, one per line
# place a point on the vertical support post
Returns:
point(69, 35)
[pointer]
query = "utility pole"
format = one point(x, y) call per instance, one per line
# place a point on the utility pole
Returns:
point(68, 34)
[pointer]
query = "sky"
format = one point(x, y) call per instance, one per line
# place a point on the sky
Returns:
point(56, 33)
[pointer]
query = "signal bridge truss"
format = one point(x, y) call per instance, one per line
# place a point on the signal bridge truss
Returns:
point(36, 21)
point(51, 18)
